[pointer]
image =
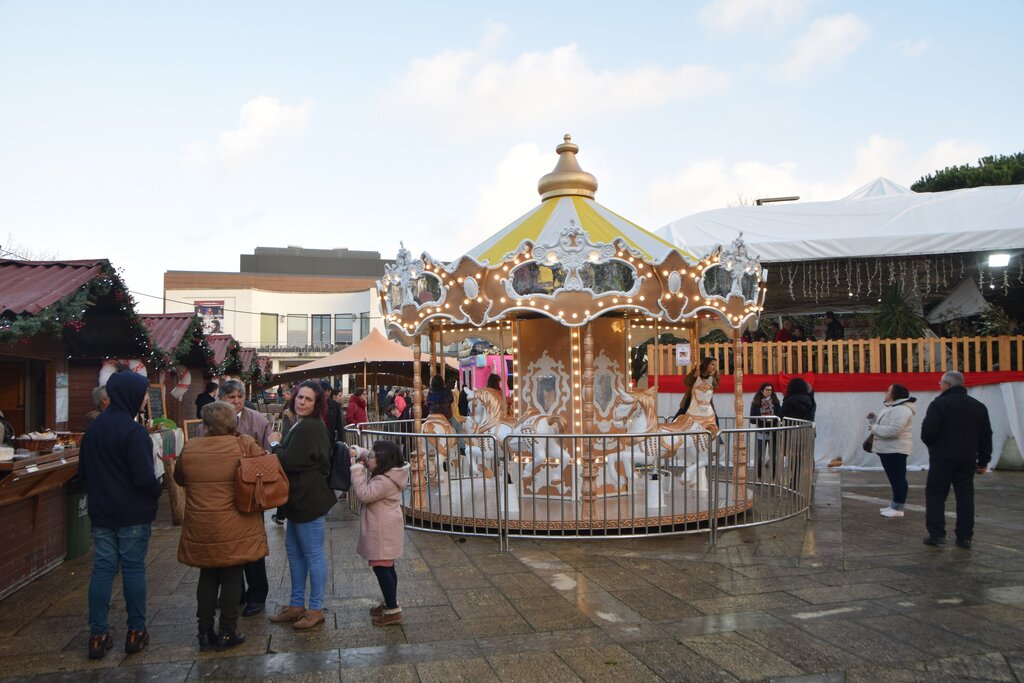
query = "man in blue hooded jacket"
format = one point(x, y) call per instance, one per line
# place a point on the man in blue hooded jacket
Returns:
point(116, 461)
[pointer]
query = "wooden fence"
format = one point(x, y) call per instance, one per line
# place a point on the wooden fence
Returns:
point(937, 354)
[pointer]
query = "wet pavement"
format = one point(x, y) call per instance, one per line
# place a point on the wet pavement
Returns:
point(846, 595)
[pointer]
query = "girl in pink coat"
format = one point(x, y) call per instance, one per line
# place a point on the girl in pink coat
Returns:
point(381, 521)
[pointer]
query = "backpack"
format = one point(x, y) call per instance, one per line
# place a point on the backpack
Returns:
point(340, 476)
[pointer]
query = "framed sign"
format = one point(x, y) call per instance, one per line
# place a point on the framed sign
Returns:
point(156, 401)
point(192, 429)
point(682, 354)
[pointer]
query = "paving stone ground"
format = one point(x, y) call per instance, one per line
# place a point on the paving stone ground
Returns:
point(845, 595)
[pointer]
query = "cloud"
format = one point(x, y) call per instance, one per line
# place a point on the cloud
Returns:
point(716, 183)
point(735, 15)
point(827, 42)
point(262, 121)
point(462, 93)
point(910, 48)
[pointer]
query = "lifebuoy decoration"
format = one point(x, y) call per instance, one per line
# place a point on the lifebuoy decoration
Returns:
point(112, 365)
point(184, 382)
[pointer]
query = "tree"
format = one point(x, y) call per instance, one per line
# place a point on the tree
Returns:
point(991, 170)
point(895, 318)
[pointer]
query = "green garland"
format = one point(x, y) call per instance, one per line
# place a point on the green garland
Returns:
point(69, 313)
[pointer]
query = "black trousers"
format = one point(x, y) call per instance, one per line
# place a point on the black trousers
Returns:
point(895, 466)
point(256, 586)
point(228, 582)
point(941, 475)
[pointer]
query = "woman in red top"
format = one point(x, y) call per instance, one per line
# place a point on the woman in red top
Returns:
point(356, 412)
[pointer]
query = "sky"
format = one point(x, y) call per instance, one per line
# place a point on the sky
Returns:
point(179, 135)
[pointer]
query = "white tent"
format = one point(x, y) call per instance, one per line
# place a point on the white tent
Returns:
point(879, 219)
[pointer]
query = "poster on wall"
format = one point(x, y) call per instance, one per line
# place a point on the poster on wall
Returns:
point(682, 354)
point(212, 313)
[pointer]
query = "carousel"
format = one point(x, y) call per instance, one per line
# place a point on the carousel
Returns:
point(569, 441)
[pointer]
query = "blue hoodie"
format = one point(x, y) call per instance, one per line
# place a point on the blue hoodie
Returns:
point(116, 458)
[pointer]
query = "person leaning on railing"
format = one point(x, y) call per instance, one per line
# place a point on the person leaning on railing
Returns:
point(765, 404)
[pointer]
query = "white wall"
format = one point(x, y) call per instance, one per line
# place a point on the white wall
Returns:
point(245, 326)
point(841, 427)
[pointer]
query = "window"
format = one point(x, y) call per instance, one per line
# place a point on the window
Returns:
point(343, 329)
point(268, 329)
point(321, 329)
point(298, 330)
point(364, 324)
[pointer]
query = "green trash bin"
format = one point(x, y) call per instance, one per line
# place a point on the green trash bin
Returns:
point(78, 526)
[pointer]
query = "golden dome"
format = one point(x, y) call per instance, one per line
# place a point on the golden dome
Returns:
point(568, 179)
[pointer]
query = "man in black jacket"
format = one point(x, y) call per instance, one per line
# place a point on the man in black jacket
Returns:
point(116, 461)
point(958, 434)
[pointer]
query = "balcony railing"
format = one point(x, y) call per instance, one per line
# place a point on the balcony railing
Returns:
point(936, 354)
point(301, 349)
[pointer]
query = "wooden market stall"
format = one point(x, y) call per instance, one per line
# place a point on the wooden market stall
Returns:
point(60, 321)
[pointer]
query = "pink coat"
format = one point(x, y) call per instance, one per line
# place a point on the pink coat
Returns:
point(381, 521)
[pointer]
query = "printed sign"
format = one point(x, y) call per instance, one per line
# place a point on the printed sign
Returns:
point(212, 313)
point(683, 354)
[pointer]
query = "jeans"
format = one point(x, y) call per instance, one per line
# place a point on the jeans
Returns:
point(126, 547)
point(304, 544)
point(895, 466)
point(941, 475)
point(226, 580)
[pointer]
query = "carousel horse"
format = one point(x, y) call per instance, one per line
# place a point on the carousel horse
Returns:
point(486, 416)
point(443, 451)
point(637, 413)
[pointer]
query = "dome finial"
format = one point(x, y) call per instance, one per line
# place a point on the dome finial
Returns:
point(567, 179)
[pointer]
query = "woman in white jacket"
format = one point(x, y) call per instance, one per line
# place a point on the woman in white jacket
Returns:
point(893, 431)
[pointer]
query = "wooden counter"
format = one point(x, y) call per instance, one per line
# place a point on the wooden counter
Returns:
point(33, 516)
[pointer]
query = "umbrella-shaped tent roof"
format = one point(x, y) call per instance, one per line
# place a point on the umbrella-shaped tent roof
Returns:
point(374, 350)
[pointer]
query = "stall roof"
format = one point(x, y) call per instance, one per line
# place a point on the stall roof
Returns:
point(221, 345)
point(167, 329)
point(27, 287)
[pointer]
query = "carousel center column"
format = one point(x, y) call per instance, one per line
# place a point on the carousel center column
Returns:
point(416, 467)
point(585, 448)
point(740, 447)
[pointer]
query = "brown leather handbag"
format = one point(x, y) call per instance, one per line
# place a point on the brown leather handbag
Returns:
point(260, 483)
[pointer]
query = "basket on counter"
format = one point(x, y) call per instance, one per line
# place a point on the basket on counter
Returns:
point(65, 439)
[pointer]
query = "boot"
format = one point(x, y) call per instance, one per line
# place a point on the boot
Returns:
point(375, 612)
point(389, 617)
point(207, 639)
point(229, 638)
point(288, 614)
point(312, 617)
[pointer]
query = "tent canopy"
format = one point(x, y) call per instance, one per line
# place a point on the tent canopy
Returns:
point(879, 219)
point(375, 352)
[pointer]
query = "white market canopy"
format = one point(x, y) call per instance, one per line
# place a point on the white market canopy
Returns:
point(879, 219)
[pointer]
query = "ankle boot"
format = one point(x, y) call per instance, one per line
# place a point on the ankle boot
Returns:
point(207, 639)
point(389, 617)
point(228, 638)
point(312, 617)
point(287, 614)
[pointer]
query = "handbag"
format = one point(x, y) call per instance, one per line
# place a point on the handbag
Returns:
point(868, 443)
point(260, 483)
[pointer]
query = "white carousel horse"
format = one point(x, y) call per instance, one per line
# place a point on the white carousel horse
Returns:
point(637, 413)
point(543, 452)
point(444, 451)
point(486, 416)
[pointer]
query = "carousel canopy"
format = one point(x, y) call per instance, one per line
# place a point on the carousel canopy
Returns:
point(572, 260)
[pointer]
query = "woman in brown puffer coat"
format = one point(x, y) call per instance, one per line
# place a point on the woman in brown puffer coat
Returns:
point(214, 536)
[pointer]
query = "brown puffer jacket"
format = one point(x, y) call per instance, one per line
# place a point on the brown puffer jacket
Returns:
point(214, 534)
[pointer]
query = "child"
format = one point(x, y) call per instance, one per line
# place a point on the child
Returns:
point(381, 521)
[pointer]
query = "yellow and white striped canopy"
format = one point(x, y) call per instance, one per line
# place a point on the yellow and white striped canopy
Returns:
point(545, 224)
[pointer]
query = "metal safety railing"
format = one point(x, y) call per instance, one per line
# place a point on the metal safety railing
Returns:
point(603, 485)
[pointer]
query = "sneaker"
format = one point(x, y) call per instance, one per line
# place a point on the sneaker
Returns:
point(136, 641)
point(932, 540)
point(228, 639)
point(99, 645)
point(277, 520)
point(964, 543)
point(890, 512)
point(887, 507)
point(389, 617)
point(253, 608)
